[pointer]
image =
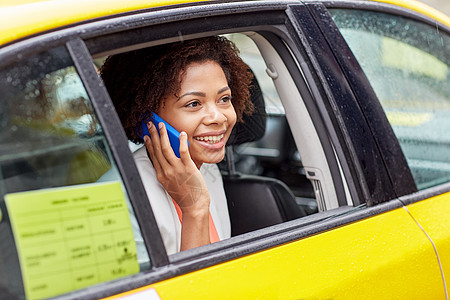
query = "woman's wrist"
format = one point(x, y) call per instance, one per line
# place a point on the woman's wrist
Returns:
point(198, 210)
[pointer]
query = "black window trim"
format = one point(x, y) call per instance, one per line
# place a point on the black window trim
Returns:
point(425, 194)
point(170, 31)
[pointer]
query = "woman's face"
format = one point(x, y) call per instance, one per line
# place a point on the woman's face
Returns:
point(203, 110)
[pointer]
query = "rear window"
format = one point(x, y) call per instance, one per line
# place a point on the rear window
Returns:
point(62, 226)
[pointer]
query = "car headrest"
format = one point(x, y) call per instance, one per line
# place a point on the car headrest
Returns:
point(253, 126)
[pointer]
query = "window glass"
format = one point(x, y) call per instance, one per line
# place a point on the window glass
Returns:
point(62, 228)
point(407, 64)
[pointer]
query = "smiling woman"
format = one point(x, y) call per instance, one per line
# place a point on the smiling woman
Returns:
point(201, 88)
point(204, 111)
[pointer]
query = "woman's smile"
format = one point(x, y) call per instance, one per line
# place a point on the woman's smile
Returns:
point(211, 139)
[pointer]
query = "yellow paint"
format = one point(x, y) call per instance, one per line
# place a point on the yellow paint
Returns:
point(434, 216)
point(32, 17)
point(133, 293)
point(382, 257)
point(22, 18)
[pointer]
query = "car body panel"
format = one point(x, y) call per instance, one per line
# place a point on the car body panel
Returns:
point(427, 213)
point(370, 259)
point(29, 17)
point(26, 19)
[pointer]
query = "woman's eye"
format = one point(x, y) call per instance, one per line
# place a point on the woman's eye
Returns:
point(225, 99)
point(192, 104)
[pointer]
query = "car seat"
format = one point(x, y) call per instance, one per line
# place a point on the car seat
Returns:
point(255, 202)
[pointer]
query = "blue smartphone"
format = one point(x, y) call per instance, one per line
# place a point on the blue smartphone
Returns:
point(174, 135)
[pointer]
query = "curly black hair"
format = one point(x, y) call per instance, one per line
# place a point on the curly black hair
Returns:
point(139, 80)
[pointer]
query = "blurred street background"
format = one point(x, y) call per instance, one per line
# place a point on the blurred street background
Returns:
point(442, 5)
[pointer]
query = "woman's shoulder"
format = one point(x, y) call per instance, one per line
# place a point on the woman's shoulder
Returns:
point(143, 162)
point(162, 206)
point(140, 154)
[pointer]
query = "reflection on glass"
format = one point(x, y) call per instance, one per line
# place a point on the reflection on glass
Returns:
point(408, 65)
point(51, 142)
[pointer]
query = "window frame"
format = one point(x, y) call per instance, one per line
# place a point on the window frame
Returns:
point(396, 164)
point(82, 40)
point(364, 165)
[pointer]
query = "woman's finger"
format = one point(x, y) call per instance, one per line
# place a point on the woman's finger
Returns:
point(184, 149)
point(156, 144)
point(151, 152)
point(166, 148)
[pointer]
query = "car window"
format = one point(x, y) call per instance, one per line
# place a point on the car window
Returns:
point(407, 63)
point(62, 227)
point(274, 155)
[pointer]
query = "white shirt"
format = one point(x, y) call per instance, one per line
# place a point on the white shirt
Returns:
point(164, 210)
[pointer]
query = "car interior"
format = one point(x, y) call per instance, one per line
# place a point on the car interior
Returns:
point(264, 174)
point(263, 158)
point(267, 199)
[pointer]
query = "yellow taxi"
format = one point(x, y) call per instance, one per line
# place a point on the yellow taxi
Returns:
point(338, 188)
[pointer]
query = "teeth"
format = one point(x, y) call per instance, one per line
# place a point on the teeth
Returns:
point(210, 139)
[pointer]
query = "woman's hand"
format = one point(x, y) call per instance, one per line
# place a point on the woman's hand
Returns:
point(181, 178)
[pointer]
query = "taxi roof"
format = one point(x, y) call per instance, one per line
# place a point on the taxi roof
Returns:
point(22, 18)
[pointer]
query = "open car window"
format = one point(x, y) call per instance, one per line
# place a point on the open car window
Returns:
point(289, 151)
point(53, 153)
